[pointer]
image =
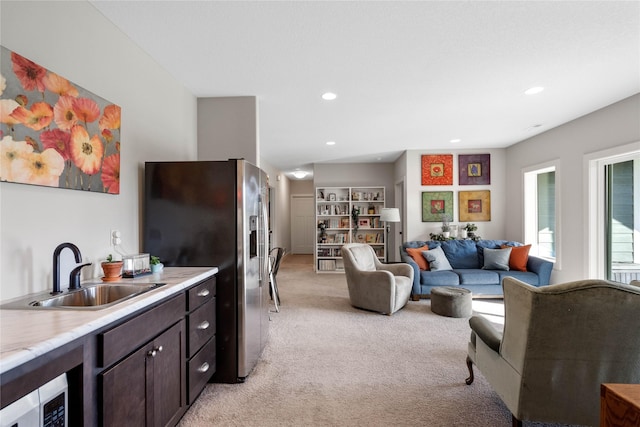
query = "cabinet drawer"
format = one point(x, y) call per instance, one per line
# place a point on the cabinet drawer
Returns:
point(131, 334)
point(201, 367)
point(201, 293)
point(201, 324)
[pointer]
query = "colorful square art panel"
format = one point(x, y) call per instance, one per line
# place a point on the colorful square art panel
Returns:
point(437, 169)
point(474, 169)
point(436, 204)
point(474, 205)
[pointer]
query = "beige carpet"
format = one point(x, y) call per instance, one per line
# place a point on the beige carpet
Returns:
point(330, 364)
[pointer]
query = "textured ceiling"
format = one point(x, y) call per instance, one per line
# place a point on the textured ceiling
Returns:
point(409, 75)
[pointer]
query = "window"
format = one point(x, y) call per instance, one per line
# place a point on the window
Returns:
point(540, 211)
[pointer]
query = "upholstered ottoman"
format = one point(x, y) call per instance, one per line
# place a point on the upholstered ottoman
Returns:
point(451, 301)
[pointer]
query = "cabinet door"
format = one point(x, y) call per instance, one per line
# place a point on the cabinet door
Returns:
point(124, 390)
point(148, 388)
point(168, 390)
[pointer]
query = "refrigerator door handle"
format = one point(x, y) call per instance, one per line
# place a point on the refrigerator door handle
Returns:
point(263, 236)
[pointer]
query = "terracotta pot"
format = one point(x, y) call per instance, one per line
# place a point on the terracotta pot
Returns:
point(112, 271)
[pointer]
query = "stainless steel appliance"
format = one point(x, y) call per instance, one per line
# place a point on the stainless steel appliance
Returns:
point(45, 406)
point(214, 213)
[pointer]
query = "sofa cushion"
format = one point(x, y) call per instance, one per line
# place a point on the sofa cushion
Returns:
point(461, 253)
point(519, 257)
point(439, 278)
point(525, 276)
point(416, 254)
point(496, 259)
point(437, 259)
point(476, 276)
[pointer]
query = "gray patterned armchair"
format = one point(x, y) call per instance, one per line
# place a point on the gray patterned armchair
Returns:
point(375, 286)
point(560, 342)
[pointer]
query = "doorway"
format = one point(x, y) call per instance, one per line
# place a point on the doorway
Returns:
point(302, 224)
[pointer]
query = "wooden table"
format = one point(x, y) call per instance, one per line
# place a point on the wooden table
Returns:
point(620, 405)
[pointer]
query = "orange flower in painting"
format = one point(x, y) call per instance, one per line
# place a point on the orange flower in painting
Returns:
point(30, 74)
point(38, 117)
point(86, 153)
point(111, 174)
point(11, 150)
point(110, 118)
point(86, 109)
point(63, 113)
point(56, 84)
point(39, 168)
point(58, 140)
point(8, 106)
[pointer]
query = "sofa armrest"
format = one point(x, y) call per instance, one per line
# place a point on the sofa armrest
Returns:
point(542, 268)
point(486, 332)
point(398, 269)
point(415, 290)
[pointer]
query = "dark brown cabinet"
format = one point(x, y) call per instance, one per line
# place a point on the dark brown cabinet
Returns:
point(201, 348)
point(147, 387)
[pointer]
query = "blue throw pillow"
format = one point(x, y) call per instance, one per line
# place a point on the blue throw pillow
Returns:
point(437, 259)
point(496, 259)
point(461, 253)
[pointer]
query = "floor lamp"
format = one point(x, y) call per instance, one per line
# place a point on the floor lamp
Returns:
point(389, 215)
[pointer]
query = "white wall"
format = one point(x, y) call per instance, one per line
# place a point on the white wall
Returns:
point(228, 129)
point(158, 123)
point(280, 209)
point(612, 126)
point(410, 166)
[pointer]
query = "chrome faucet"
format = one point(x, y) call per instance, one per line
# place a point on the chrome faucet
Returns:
point(74, 282)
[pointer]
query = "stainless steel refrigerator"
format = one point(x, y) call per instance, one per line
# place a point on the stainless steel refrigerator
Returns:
point(214, 213)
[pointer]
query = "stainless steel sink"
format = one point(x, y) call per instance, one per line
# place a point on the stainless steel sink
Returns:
point(94, 296)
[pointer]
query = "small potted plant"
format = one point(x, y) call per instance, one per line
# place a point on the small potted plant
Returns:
point(112, 269)
point(156, 265)
point(446, 228)
point(471, 229)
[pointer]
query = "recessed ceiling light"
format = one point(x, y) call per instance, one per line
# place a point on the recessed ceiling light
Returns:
point(533, 90)
point(329, 96)
point(331, 143)
point(453, 141)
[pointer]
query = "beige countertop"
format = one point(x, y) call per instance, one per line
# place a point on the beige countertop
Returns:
point(29, 333)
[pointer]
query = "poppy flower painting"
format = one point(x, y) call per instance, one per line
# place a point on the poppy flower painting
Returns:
point(53, 132)
point(437, 169)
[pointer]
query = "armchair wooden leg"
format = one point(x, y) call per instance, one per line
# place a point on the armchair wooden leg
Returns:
point(415, 297)
point(516, 422)
point(470, 366)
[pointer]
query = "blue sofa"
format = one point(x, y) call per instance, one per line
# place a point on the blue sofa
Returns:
point(467, 259)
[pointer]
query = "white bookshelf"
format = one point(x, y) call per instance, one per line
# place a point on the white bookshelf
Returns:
point(334, 207)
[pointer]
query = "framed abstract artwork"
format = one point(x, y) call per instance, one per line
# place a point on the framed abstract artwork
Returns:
point(474, 169)
point(474, 205)
point(435, 204)
point(53, 132)
point(437, 169)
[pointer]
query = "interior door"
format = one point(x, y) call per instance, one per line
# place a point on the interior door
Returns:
point(302, 224)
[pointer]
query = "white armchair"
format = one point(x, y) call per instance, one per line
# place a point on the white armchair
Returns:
point(375, 286)
point(560, 342)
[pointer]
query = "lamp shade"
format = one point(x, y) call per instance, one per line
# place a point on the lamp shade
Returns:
point(390, 214)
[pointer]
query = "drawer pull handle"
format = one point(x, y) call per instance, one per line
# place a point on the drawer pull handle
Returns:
point(154, 352)
point(203, 325)
point(203, 293)
point(204, 367)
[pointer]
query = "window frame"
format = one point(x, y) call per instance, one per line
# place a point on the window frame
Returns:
point(530, 209)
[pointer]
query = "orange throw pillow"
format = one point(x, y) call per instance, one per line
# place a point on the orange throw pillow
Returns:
point(416, 254)
point(519, 257)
